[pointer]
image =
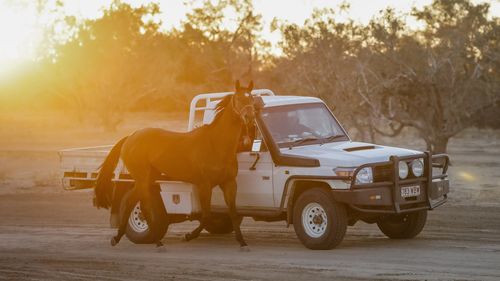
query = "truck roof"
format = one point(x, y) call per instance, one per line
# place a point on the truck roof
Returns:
point(270, 101)
point(268, 97)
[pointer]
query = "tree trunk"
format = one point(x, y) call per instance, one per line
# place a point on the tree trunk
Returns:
point(372, 134)
point(439, 145)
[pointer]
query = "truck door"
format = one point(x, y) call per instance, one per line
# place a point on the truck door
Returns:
point(255, 183)
point(255, 180)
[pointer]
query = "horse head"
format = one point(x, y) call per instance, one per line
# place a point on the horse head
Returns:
point(243, 103)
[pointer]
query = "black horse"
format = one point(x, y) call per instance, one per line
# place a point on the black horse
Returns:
point(205, 157)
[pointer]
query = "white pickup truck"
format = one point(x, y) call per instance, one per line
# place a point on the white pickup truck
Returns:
point(303, 168)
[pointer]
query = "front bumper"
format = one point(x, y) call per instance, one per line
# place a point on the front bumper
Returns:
point(385, 197)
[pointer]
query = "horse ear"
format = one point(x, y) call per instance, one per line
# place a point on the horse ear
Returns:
point(250, 86)
point(237, 85)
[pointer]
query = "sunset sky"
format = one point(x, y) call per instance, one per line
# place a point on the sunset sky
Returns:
point(21, 25)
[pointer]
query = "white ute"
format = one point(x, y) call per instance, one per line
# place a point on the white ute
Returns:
point(302, 167)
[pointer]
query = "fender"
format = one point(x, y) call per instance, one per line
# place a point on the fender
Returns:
point(289, 190)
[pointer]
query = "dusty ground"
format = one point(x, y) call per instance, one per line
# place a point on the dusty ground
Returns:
point(60, 237)
point(49, 234)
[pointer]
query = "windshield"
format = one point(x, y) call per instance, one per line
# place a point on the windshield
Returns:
point(301, 124)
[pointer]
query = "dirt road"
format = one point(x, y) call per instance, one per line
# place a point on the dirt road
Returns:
point(49, 234)
point(61, 236)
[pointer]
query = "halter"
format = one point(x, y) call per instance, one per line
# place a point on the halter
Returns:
point(241, 111)
point(240, 114)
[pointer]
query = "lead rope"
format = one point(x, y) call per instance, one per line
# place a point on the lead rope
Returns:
point(246, 138)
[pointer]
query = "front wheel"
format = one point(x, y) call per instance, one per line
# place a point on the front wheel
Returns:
point(404, 226)
point(319, 222)
point(138, 230)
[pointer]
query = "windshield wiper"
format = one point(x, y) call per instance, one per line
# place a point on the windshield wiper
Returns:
point(331, 138)
point(306, 139)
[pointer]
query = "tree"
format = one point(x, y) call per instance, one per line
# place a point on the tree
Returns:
point(216, 55)
point(383, 77)
point(320, 60)
point(438, 80)
point(102, 68)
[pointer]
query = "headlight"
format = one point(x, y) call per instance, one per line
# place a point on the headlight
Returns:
point(417, 167)
point(365, 175)
point(403, 170)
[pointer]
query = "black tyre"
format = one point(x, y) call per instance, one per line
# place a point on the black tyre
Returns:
point(404, 226)
point(319, 222)
point(220, 224)
point(138, 231)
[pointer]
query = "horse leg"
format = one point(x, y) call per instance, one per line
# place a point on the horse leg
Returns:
point(205, 192)
point(144, 189)
point(154, 174)
point(229, 190)
point(129, 206)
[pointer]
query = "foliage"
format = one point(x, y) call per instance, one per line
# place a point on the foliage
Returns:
point(438, 80)
point(442, 78)
point(103, 68)
point(119, 62)
point(379, 78)
point(321, 60)
point(216, 54)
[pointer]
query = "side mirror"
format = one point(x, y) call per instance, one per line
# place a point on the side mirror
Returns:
point(256, 145)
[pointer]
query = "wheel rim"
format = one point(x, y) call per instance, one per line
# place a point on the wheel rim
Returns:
point(137, 221)
point(314, 220)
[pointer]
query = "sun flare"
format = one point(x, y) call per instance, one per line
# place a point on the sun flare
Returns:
point(19, 35)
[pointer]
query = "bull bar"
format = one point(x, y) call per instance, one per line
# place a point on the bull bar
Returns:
point(385, 196)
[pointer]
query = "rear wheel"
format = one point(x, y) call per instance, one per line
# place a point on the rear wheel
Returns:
point(220, 224)
point(403, 226)
point(138, 230)
point(319, 222)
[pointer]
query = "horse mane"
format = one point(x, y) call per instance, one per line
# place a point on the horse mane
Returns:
point(221, 105)
point(219, 108)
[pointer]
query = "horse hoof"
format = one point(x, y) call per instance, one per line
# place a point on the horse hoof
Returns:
point(245, 248)
point(160, 247)
point(185, 237)
point(113, 241)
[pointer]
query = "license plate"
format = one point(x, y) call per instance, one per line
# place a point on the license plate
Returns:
point(409, 191)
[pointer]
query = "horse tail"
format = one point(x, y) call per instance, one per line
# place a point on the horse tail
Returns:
point(103, 190)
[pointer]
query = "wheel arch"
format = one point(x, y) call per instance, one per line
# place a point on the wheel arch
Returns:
point(296, 188)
